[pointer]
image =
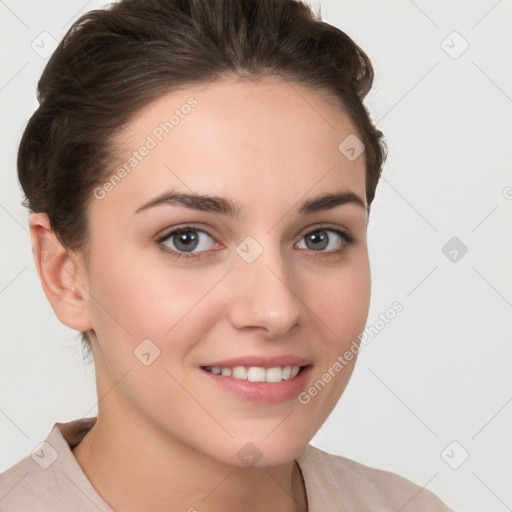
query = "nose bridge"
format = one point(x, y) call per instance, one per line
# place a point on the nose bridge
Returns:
point(266, 294)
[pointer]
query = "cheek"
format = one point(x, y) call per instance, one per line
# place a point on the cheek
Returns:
point(133, 299)
point(343, 302)
point(341, 305)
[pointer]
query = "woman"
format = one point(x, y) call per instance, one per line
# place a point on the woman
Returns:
point(200, 175)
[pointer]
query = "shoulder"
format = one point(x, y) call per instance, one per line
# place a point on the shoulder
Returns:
point(27, 486)
point(360, 487)
point(50, 477)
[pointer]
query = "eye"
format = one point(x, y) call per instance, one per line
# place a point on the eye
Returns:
point(190, 242)
point(186, 242)
point(327, 239)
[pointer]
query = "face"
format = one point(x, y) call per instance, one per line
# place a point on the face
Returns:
point(272, 278)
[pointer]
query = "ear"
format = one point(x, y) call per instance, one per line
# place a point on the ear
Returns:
point(62, 275)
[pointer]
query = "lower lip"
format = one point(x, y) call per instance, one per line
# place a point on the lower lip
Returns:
point(263, 392)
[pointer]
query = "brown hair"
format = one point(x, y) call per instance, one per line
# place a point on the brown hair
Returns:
point(112, 62)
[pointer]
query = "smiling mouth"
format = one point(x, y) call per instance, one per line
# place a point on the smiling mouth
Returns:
point(257, 373)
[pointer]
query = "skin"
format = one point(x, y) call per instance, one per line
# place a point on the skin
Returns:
point(165, 427)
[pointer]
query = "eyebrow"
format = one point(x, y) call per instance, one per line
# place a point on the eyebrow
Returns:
point(215, 204)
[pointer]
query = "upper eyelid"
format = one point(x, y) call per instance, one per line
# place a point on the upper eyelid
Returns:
point(166, 234)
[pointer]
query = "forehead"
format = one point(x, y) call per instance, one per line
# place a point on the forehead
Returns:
point(236, 137)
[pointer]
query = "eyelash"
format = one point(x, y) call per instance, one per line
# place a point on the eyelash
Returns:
point(348, 240)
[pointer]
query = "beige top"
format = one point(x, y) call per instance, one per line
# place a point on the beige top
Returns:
point(51, 480)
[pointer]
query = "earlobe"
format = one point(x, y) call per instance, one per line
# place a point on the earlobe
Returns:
point(61, 273)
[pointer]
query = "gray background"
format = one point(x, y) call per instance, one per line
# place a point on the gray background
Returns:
point(440, 371)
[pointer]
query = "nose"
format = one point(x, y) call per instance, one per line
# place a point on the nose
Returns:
point(264, 297)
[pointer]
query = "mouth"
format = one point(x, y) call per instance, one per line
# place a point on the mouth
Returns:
point(275, 374)
point(273, 385)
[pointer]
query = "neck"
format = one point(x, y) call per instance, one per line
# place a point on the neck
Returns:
point(134, 466)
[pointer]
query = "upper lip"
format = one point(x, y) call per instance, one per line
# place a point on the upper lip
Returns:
point(262, 361)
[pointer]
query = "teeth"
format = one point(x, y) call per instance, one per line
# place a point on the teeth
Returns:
point(256, 373)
